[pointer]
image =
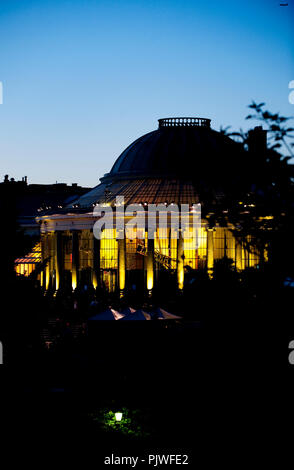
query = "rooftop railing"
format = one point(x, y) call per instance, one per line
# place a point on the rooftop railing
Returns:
point(184, 122)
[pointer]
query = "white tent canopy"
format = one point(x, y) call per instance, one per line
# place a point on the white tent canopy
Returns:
point(131, 314)
point(109, 314)
point(164, 315)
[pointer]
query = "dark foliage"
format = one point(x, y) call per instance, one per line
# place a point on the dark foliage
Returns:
point(261, 208)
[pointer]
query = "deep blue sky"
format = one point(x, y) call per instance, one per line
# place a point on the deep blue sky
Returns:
point(83, 79)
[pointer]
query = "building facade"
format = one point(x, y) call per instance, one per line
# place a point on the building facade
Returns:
point(168, 166)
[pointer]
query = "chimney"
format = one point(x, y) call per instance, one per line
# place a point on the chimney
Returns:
point(257, 141)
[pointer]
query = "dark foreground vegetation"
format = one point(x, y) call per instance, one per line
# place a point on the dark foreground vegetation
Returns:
point(183, 386)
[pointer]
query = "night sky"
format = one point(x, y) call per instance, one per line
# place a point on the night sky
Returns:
point(83, 79)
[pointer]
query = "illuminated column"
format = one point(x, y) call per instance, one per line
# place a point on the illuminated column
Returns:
point(210, 257)
point(57, 258)
point(96, 262)
point(150, 266)
point(75, 259)
point(238, 255)
point(180, 261)
point(43, 273)
point(47, 267)
point(121, 245)
point(51, 261)
point(47, 276)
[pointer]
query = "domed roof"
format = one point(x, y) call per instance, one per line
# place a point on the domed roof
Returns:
point(171, 164)
point(177, 147)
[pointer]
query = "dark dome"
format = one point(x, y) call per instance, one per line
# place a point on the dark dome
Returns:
point(178, 162)
point(177, 147)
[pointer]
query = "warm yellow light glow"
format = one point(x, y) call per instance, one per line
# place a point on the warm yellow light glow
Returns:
point(267, 217)
point(149, 279)
point(108, 249)
point(95, 283)
point(47, 273)
point(265, 254)
point(189, 247)
point(210, 257)
point(74, 280)
point(202, 240)
point(181, 278)
point(122, 277)
point(121, 264)
point(26, 265)
point(57, 280)
point(150, 267)
point(239, 264)
point(180, 262)
point(165, 243)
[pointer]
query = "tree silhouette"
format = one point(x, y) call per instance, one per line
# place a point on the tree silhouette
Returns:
point(275, 124)
point(261, 209)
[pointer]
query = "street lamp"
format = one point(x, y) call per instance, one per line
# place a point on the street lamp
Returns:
point(118, 416)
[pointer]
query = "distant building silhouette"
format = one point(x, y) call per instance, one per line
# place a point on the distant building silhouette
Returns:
point(29, 200)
